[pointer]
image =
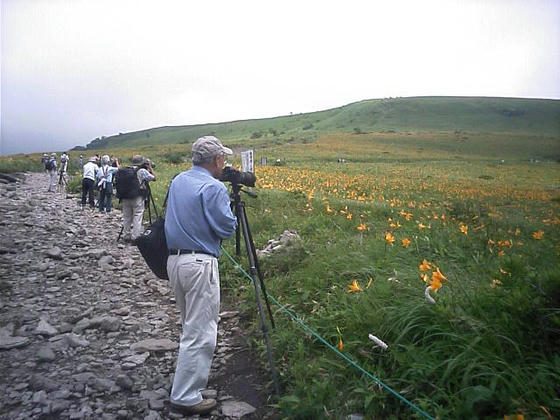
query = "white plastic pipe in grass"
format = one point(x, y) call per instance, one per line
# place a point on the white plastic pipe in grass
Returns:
point(377, 341)
point(429, 298)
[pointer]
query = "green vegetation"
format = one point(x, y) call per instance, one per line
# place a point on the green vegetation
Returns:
point(407, 116)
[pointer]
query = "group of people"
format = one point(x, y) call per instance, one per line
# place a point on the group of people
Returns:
point(100, 174)
point(51, 168)
point(198, 218)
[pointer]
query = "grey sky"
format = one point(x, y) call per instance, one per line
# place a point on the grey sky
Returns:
point(74, 70)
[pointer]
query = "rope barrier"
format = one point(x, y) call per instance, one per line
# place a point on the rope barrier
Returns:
point(294, 317)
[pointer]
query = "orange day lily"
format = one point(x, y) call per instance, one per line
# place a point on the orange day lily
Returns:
point(464, 229)
point(389, 238)
point(340, 345)
point(362, 227)
point(425, 266)
point(437, 275)
point(354, 287)
point(405, 242)
point(538, 234)
point(435, 284)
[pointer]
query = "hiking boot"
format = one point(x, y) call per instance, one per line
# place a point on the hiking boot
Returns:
point(203, 407)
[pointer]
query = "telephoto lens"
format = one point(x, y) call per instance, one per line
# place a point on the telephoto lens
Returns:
point(234, 176)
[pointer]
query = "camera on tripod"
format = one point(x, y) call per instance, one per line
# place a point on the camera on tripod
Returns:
point(236, 177)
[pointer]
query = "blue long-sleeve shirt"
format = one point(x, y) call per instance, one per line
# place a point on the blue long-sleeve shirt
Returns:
point(198, 213)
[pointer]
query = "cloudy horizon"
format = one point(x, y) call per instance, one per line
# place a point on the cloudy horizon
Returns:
point(75, 71)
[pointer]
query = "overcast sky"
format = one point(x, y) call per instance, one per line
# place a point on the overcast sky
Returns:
point(75, 70)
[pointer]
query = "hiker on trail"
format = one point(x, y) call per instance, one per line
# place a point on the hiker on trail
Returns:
point(81, 161)
point(133, 189)
point(88, 182)
point(50, 167)
point(44, 160)
point(105, 183)
point(198, 218)
point(63, 162)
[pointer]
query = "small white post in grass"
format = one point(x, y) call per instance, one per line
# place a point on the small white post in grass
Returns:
point(377, 341)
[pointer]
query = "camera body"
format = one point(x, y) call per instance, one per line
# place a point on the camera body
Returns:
point(150, 163)
point(234, 176)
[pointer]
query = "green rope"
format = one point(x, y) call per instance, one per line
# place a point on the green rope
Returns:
point(329, 346)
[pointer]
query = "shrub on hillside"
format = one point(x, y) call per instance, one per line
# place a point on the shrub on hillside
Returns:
point(173, 157)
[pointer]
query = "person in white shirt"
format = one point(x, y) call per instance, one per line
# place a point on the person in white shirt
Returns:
point(88, 182)
point(105, 182)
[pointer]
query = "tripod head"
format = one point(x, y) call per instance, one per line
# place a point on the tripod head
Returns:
point(236, 189)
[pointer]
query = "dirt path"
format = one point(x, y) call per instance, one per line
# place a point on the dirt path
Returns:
point(87, 331)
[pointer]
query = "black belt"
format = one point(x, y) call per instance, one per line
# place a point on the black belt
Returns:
point(187, 251)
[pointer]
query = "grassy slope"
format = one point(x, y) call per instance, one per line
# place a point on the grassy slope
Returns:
point(434, 114)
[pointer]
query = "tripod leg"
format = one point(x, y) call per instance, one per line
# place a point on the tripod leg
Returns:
point(242, 219)
point(153, 205)
point(257, 266)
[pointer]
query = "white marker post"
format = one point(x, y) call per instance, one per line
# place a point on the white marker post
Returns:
point(247, 162)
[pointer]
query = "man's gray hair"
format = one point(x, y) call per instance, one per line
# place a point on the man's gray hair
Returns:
point(198, 160)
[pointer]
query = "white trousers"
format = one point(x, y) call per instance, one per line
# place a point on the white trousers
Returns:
point(53, 180)
point(196, 282)
point(133, 210)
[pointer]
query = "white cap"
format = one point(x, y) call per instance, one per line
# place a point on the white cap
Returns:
point(208, 146)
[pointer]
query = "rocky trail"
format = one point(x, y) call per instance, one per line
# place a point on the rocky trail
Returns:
point(87, 331)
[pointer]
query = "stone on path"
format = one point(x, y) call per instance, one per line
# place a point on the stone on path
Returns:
point(7, 341)
point(237, 409)
point(46, 354)
point(44, 328)
point(55, 253)
point(104, 323)
point(154, 344)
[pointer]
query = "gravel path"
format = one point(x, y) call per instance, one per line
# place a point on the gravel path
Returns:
point(87, 331)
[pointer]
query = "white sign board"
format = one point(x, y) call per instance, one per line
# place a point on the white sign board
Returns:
point(247, 163)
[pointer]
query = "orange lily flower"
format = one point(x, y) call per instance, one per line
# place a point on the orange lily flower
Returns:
point(464, 229)
point(405, 242)
point(437, 275)
point(538, 234)
point(354, 287)
point(389, 238)
point(340, 345)
point(362, 227)
point(435, 284)
point(425, 266)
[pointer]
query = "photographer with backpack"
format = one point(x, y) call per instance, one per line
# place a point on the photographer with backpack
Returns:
point(50, 167)
point(132, 190)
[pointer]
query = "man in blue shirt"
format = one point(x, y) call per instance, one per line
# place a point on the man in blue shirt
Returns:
point(198, 217)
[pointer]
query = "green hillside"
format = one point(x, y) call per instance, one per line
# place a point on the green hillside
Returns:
point(420, 114)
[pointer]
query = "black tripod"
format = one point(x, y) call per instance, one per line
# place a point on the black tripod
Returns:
point(238, 207)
